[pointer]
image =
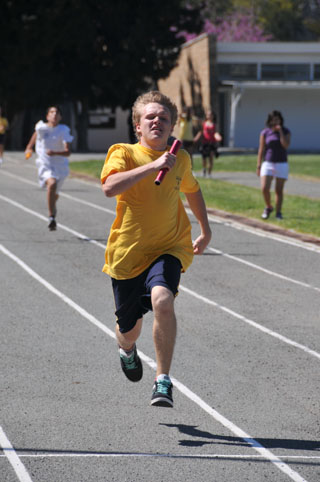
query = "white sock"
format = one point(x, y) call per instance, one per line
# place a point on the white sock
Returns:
point(125, 353)
point(163, 376)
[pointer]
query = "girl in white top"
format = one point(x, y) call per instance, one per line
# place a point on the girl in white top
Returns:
point(52, 147)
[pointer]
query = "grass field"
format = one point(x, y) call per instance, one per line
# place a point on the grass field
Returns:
point(305, 166)
point(302, 214)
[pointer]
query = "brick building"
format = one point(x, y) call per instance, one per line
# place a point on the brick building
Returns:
point(243, 81)
point(191, 82)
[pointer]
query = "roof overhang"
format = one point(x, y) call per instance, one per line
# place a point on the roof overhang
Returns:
point(271, 84)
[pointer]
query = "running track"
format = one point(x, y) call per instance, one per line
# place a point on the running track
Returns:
point(246, 366)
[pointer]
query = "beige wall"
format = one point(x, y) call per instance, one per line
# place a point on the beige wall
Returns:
point(102, 139)
point(189, 82)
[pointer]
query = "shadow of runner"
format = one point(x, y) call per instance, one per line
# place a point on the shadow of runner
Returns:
point(268, 443)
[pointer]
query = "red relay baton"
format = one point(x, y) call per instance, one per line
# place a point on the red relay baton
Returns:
point(174, 149)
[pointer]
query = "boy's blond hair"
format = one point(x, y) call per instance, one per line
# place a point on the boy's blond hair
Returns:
point(147, 98)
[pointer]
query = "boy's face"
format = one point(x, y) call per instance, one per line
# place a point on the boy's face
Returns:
point(154, 126)
point(53, 116)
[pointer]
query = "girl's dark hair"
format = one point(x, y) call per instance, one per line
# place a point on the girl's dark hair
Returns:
point(272, 115)
point(212, 112)
point(55, 107)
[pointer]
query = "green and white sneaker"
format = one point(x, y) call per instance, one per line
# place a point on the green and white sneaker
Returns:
point(162, 392)
point(131, 364)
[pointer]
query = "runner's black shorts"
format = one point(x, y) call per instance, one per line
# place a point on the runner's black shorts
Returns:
point(133, 296)
point(208, 147)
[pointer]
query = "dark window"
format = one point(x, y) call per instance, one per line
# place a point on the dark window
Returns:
point(104, 118)
point(317, 72)
point(237, 71)
point(285, 72)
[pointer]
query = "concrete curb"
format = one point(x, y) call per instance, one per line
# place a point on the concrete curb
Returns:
point(265, 226)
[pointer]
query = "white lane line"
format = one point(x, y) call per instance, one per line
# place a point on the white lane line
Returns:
point(251, 322)
point(13, 458)
point(265, 234)
point(88, 203)
point(181, 287)
point(254, 444)
point(167, 455)
point(96, 185)
point(232, 224)
point(234, 258)
point(62, 194)
point(264, 270)
point(43, 218)
point(58, 293)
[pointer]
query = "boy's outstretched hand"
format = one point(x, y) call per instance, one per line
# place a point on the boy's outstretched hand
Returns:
point(200, 244)
point(198, 207)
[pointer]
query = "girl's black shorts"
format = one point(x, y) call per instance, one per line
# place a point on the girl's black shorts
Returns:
point(206, 148)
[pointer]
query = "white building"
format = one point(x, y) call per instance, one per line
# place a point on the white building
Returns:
point(256, 78)
point(107, 127)
point(243, 81)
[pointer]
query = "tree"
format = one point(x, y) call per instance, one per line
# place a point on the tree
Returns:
point(261, 20)
point(232, 21)
point(235, 27)
point(283, 19)
point(91, 52)
point(312, 20)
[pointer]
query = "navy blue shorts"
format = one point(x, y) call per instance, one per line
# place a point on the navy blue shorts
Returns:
point(133, 296)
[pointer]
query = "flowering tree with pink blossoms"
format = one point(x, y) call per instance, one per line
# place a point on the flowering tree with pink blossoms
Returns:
point(260, 20)
point(235, 27)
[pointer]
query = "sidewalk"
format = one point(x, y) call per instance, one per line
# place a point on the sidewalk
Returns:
point(293, 186)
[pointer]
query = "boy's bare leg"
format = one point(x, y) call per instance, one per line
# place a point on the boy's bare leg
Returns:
point(164, 327)
point(52, 195)
point(127, 340)
point(130, 362)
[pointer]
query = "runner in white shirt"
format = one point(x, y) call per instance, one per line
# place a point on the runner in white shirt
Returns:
point(52, 147)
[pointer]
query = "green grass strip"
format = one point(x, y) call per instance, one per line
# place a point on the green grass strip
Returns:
point(303, 165)
point(301, 214)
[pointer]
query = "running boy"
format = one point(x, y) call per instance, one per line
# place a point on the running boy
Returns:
point(4, 125)
point(52, 147)
point(150, 240)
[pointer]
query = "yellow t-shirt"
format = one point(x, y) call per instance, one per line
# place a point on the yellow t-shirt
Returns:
point(3, 125)
point(150, 220)
point(186, 129)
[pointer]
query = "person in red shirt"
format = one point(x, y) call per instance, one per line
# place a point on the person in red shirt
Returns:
point(209, 139)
